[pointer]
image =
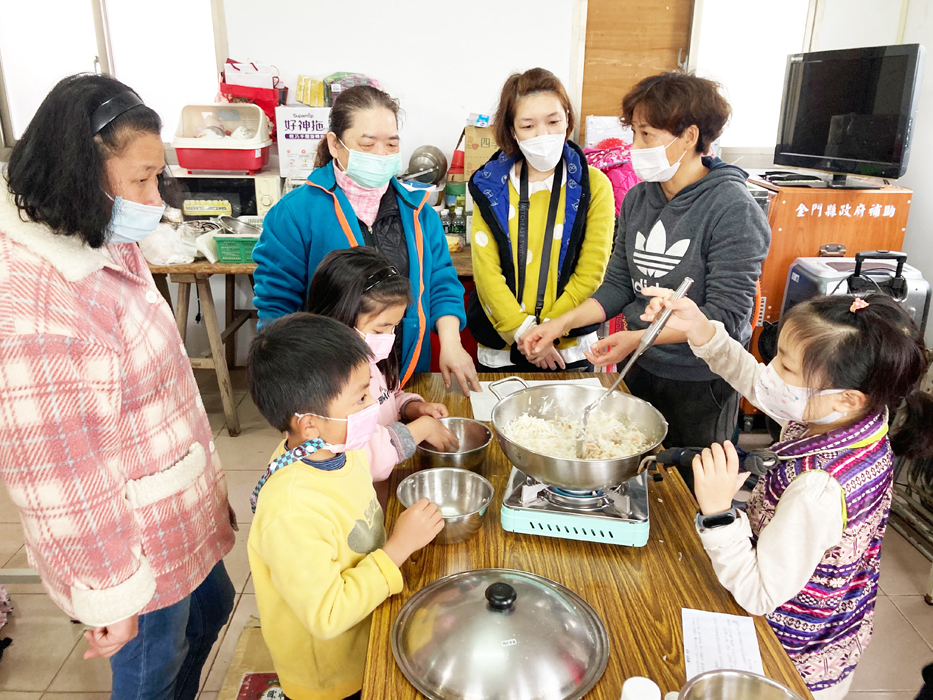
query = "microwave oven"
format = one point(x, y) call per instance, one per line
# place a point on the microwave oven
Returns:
point(206, 195)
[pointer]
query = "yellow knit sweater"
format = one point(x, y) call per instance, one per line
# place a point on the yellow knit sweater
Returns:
point(500, 305)
point(319, 574)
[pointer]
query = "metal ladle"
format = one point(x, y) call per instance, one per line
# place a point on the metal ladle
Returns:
point(647, 340)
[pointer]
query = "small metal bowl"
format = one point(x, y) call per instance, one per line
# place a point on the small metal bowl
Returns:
point(474, 438)
point(461, 495)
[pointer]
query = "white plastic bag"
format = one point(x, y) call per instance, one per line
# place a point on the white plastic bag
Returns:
point(249, 74)
point(165, 246)
point(207, 246)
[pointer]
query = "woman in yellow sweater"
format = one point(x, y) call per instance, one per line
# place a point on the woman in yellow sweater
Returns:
point(542, 229)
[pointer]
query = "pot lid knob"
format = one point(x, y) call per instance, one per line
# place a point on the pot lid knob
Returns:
point(501, 596)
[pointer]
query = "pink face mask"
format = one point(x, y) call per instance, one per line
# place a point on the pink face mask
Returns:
point(360, 428)
point(380, 343)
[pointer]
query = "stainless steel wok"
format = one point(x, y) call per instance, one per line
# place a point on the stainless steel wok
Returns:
point(566, 400)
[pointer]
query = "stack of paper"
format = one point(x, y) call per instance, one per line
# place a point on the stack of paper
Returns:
point(714, 641)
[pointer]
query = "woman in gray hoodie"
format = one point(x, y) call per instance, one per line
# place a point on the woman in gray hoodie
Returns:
point(693, 216)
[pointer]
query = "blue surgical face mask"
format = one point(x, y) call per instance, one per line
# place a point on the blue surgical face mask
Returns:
point(370, 170)
point(131, 222)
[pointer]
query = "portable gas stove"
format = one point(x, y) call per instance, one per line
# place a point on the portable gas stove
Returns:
point(614, 516)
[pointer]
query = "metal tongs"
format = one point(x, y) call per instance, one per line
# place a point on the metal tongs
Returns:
point(647, 340)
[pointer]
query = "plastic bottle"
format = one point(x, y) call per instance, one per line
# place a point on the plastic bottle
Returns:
point(638, 688)
point(445, 220)
point(458, 222)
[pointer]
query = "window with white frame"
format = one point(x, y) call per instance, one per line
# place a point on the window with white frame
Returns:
point(166, 54)
point(744, 44)
point(41, 43)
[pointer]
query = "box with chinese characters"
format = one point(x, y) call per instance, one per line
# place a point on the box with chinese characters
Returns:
point(300, 130)
point(478, 147)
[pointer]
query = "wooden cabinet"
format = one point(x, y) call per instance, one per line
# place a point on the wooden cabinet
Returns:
point(802, 219)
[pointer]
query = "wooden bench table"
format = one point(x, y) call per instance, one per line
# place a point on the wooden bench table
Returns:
point(638, 592)
point(223, 344)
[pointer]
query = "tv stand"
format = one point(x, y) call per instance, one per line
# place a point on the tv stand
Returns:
point(804, 218)
point(841, 182)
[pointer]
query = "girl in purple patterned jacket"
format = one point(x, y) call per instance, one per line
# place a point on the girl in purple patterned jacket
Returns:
point(807, 552)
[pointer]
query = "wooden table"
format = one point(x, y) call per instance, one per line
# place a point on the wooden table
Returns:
point(637, 592)
point(223, 344)
point(463, 263)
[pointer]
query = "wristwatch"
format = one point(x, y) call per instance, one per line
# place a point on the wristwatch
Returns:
point(707, 522)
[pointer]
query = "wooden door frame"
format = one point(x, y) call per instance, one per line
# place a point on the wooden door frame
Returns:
point(577, 63)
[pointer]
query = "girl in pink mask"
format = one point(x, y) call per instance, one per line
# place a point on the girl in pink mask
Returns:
point(360, 288)
point(807, 551)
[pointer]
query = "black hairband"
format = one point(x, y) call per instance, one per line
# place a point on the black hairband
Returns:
point(381, 276)
point(113, 108)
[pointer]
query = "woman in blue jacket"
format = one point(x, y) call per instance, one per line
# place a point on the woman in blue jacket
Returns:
point(352, 198)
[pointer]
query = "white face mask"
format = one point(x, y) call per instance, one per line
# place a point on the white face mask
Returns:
point(782, 401)
point(650, 164)
point(543, 152)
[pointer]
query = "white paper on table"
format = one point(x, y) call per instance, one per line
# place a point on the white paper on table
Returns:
point(714, 641)
point(485, 401)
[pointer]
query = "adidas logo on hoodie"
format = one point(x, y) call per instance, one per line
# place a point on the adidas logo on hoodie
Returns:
point(652, 256)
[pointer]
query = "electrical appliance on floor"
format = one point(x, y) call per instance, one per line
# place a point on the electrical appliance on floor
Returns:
point(881, 271)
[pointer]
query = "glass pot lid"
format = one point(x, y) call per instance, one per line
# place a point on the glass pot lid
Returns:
point(498, 633)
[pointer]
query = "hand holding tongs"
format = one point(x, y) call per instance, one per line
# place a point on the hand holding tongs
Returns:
point(647, 340)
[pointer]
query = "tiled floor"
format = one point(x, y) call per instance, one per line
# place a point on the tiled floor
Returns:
point(45, 659)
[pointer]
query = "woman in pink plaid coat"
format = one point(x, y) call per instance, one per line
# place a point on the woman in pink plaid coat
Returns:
point(105, 447)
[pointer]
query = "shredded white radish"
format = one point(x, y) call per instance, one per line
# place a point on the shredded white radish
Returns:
point(607, 437)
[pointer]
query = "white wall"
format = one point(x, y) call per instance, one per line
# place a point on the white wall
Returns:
point(445, 60)
point(442, 60)
point(851, 23)
point(846, 24)
point(918, 243)
point(842, 24)
point(753, 87)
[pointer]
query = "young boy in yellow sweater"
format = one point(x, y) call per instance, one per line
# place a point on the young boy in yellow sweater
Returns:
point(317, 545)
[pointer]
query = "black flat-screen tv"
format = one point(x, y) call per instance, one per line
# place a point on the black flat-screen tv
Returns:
point(850, 111)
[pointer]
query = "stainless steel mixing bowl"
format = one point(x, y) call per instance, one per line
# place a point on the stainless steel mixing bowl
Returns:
point(474, 439)
point(735, 685)
point(463, 497)
point(568, 400)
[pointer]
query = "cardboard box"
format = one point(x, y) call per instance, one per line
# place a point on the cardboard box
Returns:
point(300, 131)
point(479, 145)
